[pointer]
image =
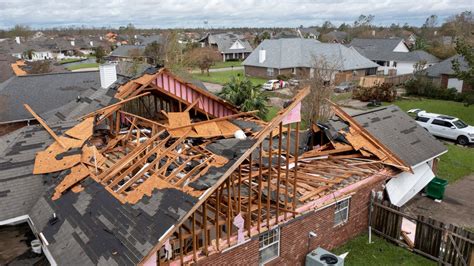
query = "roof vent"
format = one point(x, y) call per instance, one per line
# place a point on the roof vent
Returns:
point(108, 75)
point(262, 56)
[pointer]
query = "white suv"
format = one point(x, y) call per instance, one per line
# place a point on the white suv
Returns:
point(444, 126)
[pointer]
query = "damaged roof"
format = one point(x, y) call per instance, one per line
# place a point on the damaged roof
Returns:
point(400, 133)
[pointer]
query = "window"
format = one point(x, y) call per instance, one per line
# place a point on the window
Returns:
point(270, 72)
point(441, 123)
point(460, 124)
point(341, 214)
point(422, 119)
point(269, 245)
point(394, 64)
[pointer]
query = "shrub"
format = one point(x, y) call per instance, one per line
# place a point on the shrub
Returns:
point(383, 92)
point(282, 77)
point(426, 88)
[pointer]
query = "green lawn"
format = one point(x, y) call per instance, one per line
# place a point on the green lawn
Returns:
point(441, 107)
point(380, 252)
point(70, 60)
point(456, 163)
point(227, 64)
point(336, 97)
point(80, 66)
point(223, 77)
point(272, 112)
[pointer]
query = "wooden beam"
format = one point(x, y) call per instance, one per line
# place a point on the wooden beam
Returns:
point(215, 120)
point(41, 121)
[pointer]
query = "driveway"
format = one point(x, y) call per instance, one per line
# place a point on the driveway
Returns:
point(456, 208)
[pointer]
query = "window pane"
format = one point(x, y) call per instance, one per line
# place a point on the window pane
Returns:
point(269, 253)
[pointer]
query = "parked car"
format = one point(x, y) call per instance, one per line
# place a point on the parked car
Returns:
point(274, 84)
point(294, 82)
point(444, 126)
point(345, 87)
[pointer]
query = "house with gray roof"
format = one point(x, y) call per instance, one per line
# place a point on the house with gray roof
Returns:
point(231, 46)
point(443, 74)
point(127, 52)
point(392, 55)
point(299, 57)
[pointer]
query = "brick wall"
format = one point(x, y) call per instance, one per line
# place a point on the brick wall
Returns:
point(294, 235)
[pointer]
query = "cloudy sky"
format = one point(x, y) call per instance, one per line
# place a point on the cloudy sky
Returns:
point(220, 13)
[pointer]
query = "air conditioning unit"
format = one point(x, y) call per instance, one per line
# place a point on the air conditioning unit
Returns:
point(322, 257)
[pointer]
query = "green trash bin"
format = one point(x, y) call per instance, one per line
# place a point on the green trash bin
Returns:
point(435, 188)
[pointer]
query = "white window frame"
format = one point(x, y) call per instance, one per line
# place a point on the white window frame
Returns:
point(270, 71)
point(338, 211)
point(262, 246)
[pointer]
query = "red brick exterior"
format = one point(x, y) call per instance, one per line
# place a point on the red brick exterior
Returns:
point(294, 235)
point(444, 83)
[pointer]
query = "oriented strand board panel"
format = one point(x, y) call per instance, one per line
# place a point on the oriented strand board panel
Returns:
point(208, 130)
point(227, 128)
point(47, 162)
point(78, 173)
point(82, 130)
point(178, 119)
point(88, 156)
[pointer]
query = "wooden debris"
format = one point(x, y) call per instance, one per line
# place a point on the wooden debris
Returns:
point(83, 130)
point(77, 174)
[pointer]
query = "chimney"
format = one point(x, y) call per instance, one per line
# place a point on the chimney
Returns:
point(108, 75)
point(17, 39)
point(261, 56)
point(100, 37)
point(373, 32)
point(73, 43)
point(91, 43)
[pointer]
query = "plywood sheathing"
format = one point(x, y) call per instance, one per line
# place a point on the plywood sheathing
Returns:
point(77, 174)
point(83, 130)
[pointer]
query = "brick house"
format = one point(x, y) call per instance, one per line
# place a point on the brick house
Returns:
point(157, 185)
point(299, 57)
point(443, 74)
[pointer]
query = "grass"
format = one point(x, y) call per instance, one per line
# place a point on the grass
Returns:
point(456, 163)
point(223, 77)
point(81, 66)
point(227, 64)
point(380, 252)
point(272, 112)
point(70, 60)
point(337, 97)
point(441, 107)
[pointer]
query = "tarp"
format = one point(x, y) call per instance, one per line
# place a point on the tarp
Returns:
point(406, 185)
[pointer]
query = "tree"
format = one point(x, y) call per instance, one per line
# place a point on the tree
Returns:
point(315, 107)
point(20, 31)
point(40, 67)
point(431, 22)
point(173, 51)
point(155, 52)
point(28, 54)
point(99, 54)
point(467, 52)
point(364, 21)
point(203, 58)
point(241, 92)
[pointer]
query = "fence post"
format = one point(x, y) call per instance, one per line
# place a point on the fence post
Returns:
point(372, 195)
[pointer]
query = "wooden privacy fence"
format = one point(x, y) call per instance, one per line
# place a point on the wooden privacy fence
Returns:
point(370, 81)
point(446, 244)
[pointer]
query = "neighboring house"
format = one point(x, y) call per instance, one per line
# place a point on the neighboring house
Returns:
point(298, 57)
point(392, 55)
point(443, 74)
point(335, 37)
point(6, 70)
point(47, 94)
point(308, 33)
point(231, 46)
point(127, 53)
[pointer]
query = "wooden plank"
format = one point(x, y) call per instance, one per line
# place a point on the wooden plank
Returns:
point(41, 121)
point(83, 130)
point(77, 174)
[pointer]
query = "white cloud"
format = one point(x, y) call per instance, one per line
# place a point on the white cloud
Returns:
point(220, 13)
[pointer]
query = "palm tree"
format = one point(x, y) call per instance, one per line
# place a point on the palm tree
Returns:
point(244, 94)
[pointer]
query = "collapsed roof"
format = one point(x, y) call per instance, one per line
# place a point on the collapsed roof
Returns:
point(117, 186)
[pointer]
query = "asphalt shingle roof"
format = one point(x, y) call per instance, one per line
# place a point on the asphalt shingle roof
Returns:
point(298, 52)
point(446, 67)
point(44, 93)
point(401, 134)
point(382, 50)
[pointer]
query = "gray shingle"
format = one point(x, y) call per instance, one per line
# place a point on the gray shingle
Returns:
point(297, 52)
